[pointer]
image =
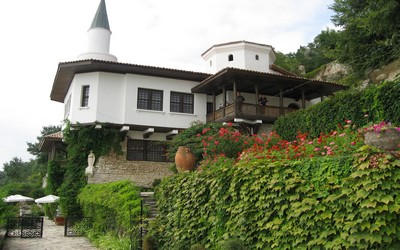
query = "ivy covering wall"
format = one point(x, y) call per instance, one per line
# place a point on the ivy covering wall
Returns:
point(81, 140)
point(278, 206)
point(373, 104)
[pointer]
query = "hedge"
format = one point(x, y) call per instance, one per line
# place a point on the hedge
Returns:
point(374, 103)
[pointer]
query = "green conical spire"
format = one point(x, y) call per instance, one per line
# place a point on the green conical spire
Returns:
point(100, 20)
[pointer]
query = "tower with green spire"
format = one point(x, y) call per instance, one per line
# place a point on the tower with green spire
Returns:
point(99, 36)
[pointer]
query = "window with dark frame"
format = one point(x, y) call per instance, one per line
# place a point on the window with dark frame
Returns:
point(85, 96)
point(150, 99)
point(257, 57)
point(230, 57)
point(182, 103)
point(143, 150)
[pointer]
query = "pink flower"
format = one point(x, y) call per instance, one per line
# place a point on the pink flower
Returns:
point(348, 121)
point(216, 142)
point(343, 134)
point(332, 143)
point(353, 143)
point(317, 149)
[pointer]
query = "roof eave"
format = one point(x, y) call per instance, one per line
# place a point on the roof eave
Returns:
point(66, 72)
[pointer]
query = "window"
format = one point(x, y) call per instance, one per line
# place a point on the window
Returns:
point(142, 150)
point(210, 63)
point(150, 99)
point(257, 57)
point(85, 96)
point(67, 107)
point(230, 57)
point(182, 102)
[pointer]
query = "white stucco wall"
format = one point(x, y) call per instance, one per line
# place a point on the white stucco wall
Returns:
point(113, 99)
point(244, 57)
point(164, 117)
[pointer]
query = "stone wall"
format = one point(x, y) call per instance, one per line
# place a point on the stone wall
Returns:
point(115, 167)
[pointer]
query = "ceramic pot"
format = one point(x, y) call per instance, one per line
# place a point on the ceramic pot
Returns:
point(388, 139)
point(185, 160)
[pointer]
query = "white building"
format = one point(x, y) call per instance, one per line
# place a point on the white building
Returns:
point(154, 104)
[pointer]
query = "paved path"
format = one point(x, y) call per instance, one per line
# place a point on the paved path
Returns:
point(53, 239)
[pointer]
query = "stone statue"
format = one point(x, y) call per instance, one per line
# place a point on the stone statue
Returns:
point(91, 159)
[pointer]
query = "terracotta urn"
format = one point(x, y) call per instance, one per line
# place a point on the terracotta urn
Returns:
point(185, 160)
point(388, 139)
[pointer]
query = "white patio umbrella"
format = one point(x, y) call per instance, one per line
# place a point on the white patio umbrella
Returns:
point(47, 199)
point(17, 198)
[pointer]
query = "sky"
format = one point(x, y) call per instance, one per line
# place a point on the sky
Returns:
point(37, 35)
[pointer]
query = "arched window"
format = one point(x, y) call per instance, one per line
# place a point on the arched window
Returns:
point(230, 57)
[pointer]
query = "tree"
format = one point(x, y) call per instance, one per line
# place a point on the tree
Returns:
point(370, 35)
point(16, 170)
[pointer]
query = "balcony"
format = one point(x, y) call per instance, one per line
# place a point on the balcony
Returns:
point(250, 112)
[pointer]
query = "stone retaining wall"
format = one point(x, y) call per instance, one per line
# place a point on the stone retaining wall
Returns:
point(115, 167)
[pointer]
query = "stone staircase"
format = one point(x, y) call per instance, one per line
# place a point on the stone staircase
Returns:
point(149, 203)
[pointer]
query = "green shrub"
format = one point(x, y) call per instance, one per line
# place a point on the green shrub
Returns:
point(232, 244)
point(149, 242)
point(197, 247)
point(113, 206)
point(372, 104)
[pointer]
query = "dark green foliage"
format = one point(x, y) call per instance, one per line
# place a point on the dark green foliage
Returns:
point(313, 56)
point(370, 35)
point(232, 244)
point(197, 247)
point(377, 102)
point(149, 242)
point(55, 172)
point(81, 140)
point(17, 170)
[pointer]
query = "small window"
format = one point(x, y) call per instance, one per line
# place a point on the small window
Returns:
point(85, 96)
point(142, 150)
point(210, 63)
point(182, 102)
point(67, 107)
point(257, 57)
point(150, 99)
point(230, 58)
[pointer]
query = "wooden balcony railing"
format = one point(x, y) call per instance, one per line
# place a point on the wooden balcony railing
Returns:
point(249, 111)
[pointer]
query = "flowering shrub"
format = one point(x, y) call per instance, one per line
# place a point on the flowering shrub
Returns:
point(227, 142)
point(232, 144)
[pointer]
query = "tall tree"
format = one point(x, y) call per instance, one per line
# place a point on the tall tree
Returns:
point(370, 35)
point(17, 170)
